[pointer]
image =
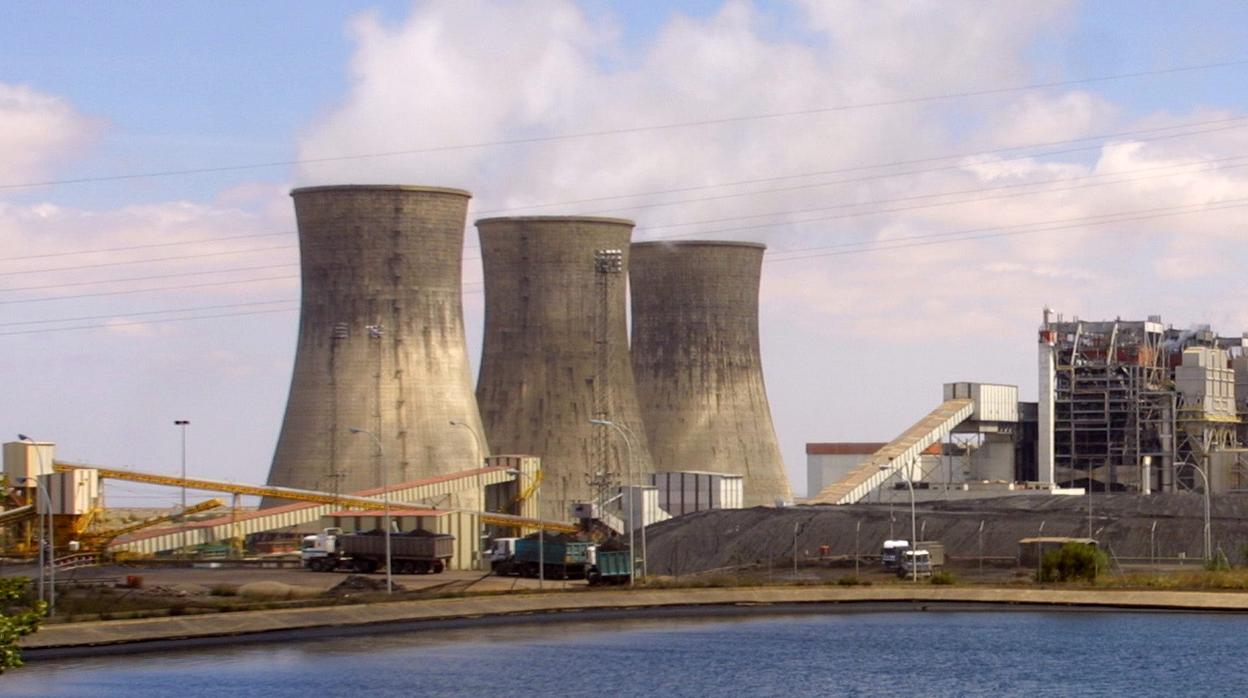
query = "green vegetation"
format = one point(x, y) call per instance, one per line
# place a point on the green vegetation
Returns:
point(1219, 563)
point(852, 581)
point(1073, 562)
point(943, 578)
point(21, 617)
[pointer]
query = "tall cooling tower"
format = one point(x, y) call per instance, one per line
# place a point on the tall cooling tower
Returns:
point(381, 340)
point(697, 363)
point(555, 352)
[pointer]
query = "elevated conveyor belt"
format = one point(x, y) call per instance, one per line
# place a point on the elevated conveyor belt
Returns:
point(899, 453)
point(17, 514)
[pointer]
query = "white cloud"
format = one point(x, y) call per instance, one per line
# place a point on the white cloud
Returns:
point(37, 131)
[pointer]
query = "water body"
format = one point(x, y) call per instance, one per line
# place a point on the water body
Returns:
point(858, 654)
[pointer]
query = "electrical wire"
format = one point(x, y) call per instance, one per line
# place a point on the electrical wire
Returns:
point(823, 251)
point(197, 241)
point(1226, 124)
point(147, 322)
point(149, 290)
point(977, 190)
point(148, 312)
point(148, 261)
point(1237, 123)
point(154, 277)
point(639, 129)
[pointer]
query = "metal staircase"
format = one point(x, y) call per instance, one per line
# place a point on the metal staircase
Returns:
point(899, 453)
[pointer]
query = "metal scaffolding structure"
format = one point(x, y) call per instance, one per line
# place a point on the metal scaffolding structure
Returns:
point(1137, 404)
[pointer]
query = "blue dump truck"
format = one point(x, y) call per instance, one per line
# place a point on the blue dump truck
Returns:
point(564, 559)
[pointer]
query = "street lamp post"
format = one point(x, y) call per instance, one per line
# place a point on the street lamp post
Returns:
point(632, 524)
point(47, 558)
point(914, 542)
point(541, 531)
point(385, 498)
point(182, 424)
point(1208, 537)
point(645, 521)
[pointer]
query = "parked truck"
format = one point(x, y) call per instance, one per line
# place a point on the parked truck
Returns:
point(609, 566)
point(890, 555)
point(563, 559)
point(415, 552)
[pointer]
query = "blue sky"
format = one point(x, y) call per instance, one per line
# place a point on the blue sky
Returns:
point(154, 86)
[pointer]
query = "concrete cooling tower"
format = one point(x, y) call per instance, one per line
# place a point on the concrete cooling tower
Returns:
point(555, 351)
point(381, 340)
point(697, 364)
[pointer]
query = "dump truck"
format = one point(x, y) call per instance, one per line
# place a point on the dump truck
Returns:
point(415, 552)
point(563, 559)
point(609, 566)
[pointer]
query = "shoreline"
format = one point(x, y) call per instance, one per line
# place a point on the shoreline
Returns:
point(98, 638)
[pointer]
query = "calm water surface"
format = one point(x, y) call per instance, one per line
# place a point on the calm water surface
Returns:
point(892, 653)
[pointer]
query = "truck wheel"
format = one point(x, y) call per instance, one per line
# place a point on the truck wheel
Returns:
point(420, 567)
point(437, 567)
point(365, 566)
point(594, 578)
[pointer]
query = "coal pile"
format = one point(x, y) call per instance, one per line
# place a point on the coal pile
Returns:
point(1130, 527)
point(356, 583)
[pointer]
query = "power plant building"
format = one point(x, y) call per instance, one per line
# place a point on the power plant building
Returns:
point(555, 355)
point(697, 363)
point(381, 345)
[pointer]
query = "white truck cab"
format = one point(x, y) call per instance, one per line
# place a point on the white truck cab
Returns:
point(501, 552)
point(319, 545)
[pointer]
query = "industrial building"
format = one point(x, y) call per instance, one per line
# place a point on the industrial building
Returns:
point(979, 442)
point(1123, 405)
point(1133, 405)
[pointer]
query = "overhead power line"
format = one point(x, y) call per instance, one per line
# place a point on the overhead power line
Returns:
point(1228, 124)
point(638, 129)
point(150, 290)
point(153, 277)
point(197, 241)
point(148, 261)
point(866, 246)
point(1136, 134)
point(148, 322)
point(51, 321)
point(1089, 181)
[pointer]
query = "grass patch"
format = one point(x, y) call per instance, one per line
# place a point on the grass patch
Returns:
point(943, 578)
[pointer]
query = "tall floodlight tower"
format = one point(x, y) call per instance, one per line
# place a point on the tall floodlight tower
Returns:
point(555, 352)
point(698, 366)
point(381, 339)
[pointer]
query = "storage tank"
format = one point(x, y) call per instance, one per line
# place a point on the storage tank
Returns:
point(556, 341)
point(381, 340)
point(697, 363)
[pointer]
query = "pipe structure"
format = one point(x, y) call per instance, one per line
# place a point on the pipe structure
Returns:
point(555, 351)
point(698, 364)
point(381, 338)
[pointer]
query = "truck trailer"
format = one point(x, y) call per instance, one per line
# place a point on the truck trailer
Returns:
point(415, 552)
